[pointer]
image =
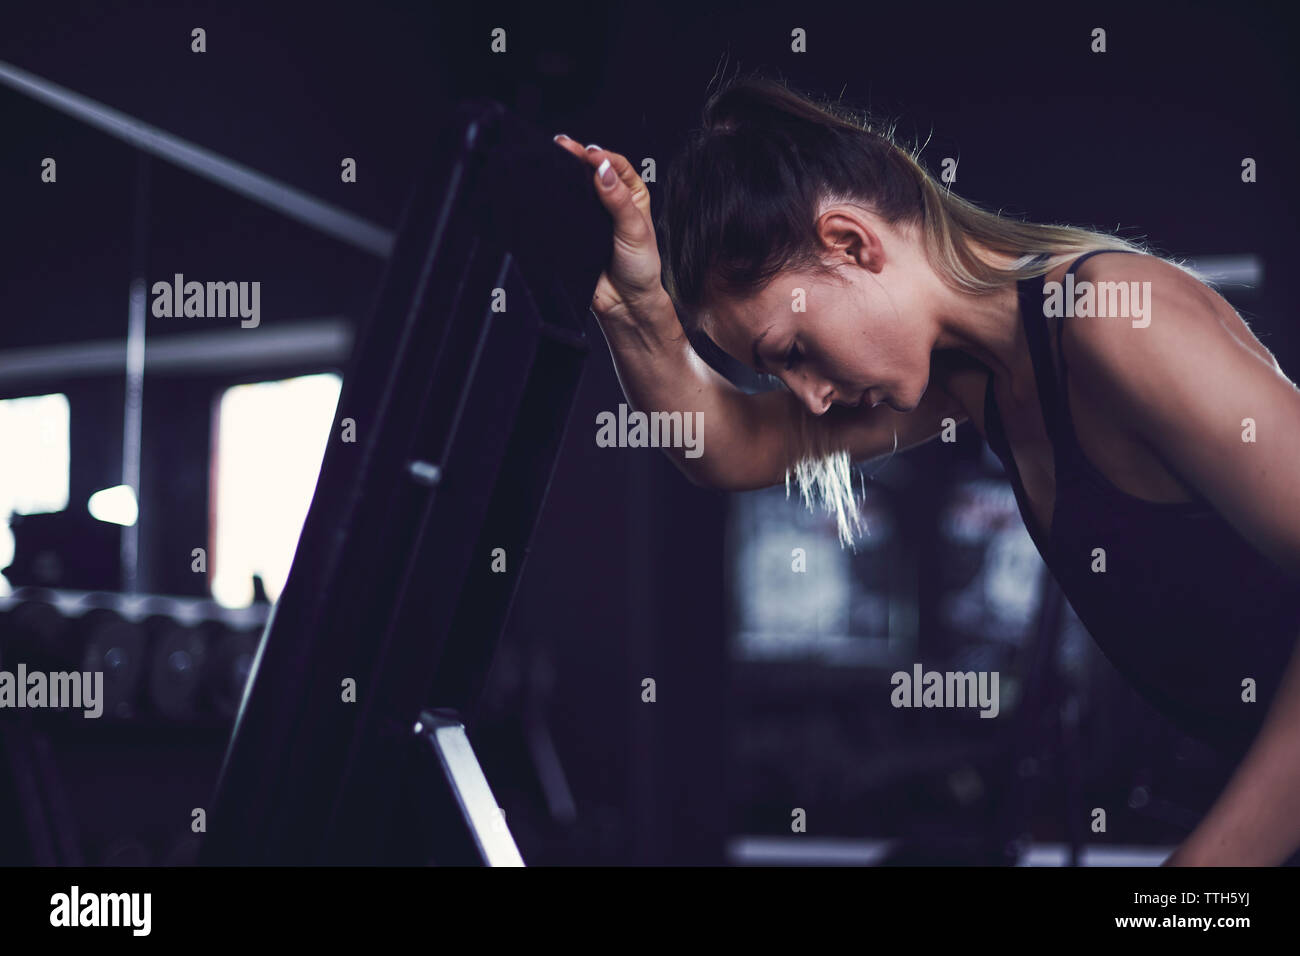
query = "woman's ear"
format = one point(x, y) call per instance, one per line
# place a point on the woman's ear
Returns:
point(848, 234)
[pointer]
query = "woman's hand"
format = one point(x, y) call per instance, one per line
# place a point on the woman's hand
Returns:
point(631, 281)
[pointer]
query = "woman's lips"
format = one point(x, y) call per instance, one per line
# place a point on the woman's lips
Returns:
point(872, 397)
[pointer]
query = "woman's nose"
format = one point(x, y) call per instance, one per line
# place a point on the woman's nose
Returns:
point(818, 397)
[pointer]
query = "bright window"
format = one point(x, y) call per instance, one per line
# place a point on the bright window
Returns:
point(270, 442)
point(34, 462)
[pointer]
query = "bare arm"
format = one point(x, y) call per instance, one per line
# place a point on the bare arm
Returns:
point(1206, 395)
point(749, 441)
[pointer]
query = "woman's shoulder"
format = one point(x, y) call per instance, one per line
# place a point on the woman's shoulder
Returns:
point(1115, 265)
point(1130, 309)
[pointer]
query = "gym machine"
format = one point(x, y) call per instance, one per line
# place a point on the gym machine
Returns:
point(350, 744)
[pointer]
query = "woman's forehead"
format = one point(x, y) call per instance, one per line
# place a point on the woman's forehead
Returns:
point(735, 329)
point(737, 313)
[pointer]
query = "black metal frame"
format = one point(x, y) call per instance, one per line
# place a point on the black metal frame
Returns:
point(459, 412)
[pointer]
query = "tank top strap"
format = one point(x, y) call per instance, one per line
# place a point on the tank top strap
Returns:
point(1040, 355)
point(1065, 419)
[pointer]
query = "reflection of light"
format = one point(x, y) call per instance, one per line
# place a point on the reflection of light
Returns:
point(116, 505)
point(799, 593)
point(270, 441)
point(1240, 271)
point(1011, 570)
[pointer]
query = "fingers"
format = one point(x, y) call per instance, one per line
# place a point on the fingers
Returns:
point(627, 175)
point(564, 142)
point(631, 224)
point(633, 273)
point(629, 178)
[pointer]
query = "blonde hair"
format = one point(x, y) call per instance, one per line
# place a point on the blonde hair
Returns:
point(740, 206)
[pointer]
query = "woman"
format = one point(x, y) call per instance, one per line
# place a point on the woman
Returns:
point(1153, 443)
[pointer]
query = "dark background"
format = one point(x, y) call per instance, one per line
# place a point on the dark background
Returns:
point(629, 574)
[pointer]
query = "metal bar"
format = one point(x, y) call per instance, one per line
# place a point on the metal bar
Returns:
point(133, 404)
point(308, 341)
point(478, 807)
point(283, 198)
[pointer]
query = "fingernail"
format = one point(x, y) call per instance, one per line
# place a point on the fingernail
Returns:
point(559, 136)
point(593, 146)
point(606, 174)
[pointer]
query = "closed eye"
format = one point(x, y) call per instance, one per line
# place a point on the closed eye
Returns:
point(791, 357)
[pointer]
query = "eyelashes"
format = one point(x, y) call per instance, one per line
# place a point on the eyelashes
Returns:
point(791, 357)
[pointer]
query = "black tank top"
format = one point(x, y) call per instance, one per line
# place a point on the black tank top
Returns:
point(1186, 607)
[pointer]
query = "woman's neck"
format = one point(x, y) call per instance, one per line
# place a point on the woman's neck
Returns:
point(987, 327)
